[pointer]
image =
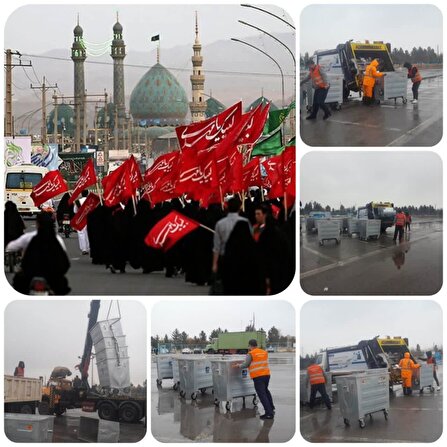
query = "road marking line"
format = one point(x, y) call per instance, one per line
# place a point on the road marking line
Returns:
point(371, 126)
point(321, 255)
point(416, 409)
point(75, 259)
point(407, 136)
point(355, 258)
point(354, 439)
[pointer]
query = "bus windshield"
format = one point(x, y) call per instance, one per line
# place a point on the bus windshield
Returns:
point(22, 180)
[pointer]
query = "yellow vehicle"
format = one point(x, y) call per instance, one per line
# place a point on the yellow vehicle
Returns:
point(19, 183)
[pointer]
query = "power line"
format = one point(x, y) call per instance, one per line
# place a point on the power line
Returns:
point(223, 72)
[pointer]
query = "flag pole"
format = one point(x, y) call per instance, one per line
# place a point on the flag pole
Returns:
point(207, 228)
point(285, 206)
point(99, 194)
point(221, 197)
point(134, 206)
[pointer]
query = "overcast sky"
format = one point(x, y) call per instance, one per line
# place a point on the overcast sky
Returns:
point(45, 334)
point(39, 28)
point(195, 316)
point(345, 322)
point(357, 177)
point(404, 25)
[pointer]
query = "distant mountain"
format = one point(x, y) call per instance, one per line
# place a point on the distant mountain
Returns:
point(233, 71)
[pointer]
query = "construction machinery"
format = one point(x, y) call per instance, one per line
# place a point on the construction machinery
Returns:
point(378, 210)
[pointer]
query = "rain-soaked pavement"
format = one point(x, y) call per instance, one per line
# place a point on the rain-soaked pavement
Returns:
point(376, 267)
point(66, 428)
point(415, 418)
point(387, 124)
point(177, 420)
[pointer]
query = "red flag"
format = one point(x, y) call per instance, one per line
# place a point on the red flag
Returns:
point(134, 172)
point(206, 133)
point(117, 186)
point(272, 178)
point(50, 186)
point(197, 173)
point(254, 127)
point(79, 220)
point(169, 230)
point(289, 176)
point(252, 174)
point(283, 181)
point(86, 179)
point(160, 178)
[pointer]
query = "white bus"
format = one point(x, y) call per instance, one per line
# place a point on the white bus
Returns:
point(19, 183)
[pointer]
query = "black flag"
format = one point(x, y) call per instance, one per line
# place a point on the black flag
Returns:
point(155, 38)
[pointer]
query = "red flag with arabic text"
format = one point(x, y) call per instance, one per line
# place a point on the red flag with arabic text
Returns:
point(134, 173)
point(50, 186)
point(117, 186)
point(86, 179)
point(254, 127)
point(169, 230)
point(79, 220)
point(252, 174)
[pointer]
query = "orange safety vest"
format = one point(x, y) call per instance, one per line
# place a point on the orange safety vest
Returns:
point(407, 366)
point(316, 374)
point(417, 77)
point(259, 365)
point(317, 80)
point(400, 220)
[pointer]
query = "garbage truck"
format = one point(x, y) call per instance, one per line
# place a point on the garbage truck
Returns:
point(378, 210)
point(351, 59)
point(22, 394)
point(367, 354)
point(235, 342)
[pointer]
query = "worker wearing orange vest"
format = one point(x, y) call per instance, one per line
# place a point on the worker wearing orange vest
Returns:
point(258, 366)
point(406, 366)
point(399, 225)
point(317, 384)
point(416, 78)
point(407, 221)
point(369, 81)
point(321, 87)
point(432, 361)
point(20, 370)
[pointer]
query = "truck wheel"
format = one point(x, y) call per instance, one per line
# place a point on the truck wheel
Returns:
point(129, 413)
point(107, 411)
point(44, 408)
point(26, 409)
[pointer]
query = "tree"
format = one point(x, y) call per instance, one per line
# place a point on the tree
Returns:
point(273, 335)
point(215, 333)
point(176, 336)
point(184, 337)
point(202, 336)
point(166, 339)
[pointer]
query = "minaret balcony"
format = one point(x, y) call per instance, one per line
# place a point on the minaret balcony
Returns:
point(197, 78)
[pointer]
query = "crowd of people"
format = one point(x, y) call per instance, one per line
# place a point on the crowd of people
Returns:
point(252, 250)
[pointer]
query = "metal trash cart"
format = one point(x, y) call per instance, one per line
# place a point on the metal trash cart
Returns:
point(175, 373)
point(231, 382)
point(29, 427)
point(362, 394)
point(423, 378)
point(334, 96)
point(328, 230)
point(353, 226)
point(195, 375)
point(305, 387)
point(164, 368)
point(392, 86)
point(369, 228)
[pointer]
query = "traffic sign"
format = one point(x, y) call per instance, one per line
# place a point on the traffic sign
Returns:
point(99, 158)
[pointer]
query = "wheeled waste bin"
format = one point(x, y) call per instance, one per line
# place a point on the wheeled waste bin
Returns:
point(195, 375)
point(328, 230)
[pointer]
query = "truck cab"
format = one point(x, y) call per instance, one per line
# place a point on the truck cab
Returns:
point(384, 211)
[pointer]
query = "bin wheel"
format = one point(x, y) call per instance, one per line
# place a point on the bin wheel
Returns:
point(228, 406)
point(216, 402)
point(255, 401)
point(203, 390)
point(346, 421)
point(362, 423)
point(421, 391)
point(158, 382)
point(385, 413)
point(432, 389)
point(194, 396)
point(320, 243)
point(337, 241)
point(175, 387)
point(404, 100)
point(338, 107)
point(182, 393)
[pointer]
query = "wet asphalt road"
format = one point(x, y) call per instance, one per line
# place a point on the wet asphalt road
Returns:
point(176, 420)
point(415, 418)
point(354, 267)
point(388, 124)
point(85, 278)
point(66, 428)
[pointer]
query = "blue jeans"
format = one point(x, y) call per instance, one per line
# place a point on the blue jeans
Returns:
point(262, 389)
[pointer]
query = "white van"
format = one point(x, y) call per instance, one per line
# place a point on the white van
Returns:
point(19, 183)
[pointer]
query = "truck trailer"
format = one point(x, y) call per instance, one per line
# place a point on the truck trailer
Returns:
point(22, 394)
point(235, 342)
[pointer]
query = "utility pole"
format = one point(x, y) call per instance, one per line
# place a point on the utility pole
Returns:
point(55, 118)
point(44, 89)
point(9, 65)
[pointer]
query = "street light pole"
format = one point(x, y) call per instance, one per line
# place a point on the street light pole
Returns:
point(270, 13)
point(280, 69)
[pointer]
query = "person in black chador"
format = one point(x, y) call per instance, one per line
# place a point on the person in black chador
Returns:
point(64, 208)
point(97, 231)
point(44, 257)
point(241, 272)
point(14, 225)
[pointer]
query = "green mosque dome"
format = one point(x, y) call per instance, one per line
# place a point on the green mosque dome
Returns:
point(213, 107)
point(158, 99)
point(65, 120)
point(262, 99)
